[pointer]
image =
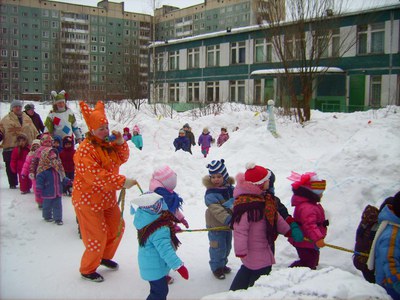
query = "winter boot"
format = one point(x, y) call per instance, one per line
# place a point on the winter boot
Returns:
point(108, 263)
point(95, 277)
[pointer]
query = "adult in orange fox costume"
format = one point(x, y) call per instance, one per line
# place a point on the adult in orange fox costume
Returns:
point(94, 196)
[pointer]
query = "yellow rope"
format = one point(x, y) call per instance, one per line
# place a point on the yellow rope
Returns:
point(222, 228)
point(121, 199)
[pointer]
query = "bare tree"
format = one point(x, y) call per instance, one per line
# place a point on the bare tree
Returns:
point(307, 43)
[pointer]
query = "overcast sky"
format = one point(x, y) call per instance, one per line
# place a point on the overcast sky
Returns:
point(146, 6)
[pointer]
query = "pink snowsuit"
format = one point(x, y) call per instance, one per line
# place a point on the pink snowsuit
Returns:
point(18, 157)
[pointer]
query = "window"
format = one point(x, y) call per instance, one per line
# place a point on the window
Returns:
point(257, 92)
point(159, 61)
point(213, 56)
point(212, 91)
point(14, 53)
point(173, 60)
point(193, 92)
point(238, 53)
point(371, 38)
point(237, 90)
point(294, 46)
point(193, 58)
point(263, 51)
point(375, 91)
point(160, 93)
point(174, 92)
point(336, 43)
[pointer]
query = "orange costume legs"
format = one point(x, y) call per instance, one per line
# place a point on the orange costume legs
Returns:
point(99, 235)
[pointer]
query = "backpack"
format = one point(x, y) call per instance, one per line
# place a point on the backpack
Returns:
point(364, 237)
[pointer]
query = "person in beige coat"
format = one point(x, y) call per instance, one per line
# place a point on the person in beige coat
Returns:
point(11, 125)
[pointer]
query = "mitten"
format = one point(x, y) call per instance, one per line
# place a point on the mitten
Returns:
point(320, 243)
point(183, 272)
point(119, 139)
point(185, 223)
point(31, 176)
point(297, 234)
point(129, 183)
point(177, 228)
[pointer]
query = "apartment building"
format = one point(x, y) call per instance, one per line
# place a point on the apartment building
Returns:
point(209, 16)
point(97, 52)
point(358, 68)
point(92, 52)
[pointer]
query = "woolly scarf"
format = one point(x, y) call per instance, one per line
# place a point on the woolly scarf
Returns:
point(257, 208)
point(166, 219)
point(105, 149)
point(172, 200)
point(46, 163)
point(226, 191)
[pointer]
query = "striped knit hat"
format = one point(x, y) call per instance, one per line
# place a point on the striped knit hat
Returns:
point(218, 167)
point(309, 180)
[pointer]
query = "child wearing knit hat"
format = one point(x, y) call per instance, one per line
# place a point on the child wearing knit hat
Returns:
point(163, 183)
point(310, 215)
point(256, 223)
point(219, 201)
point(158, 242)
point(205, 140)
point(137, 137)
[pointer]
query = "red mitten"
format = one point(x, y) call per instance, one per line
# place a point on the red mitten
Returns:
point(177, 228)
point(289, 220)
point(183, 272)
point(185, 223)
point(320, 243)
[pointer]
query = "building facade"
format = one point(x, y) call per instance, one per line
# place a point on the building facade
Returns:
point(358, 68)
point(92, 52)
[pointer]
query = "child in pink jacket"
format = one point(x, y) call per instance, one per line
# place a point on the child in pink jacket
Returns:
point(46, 141)
point(18, 157)
point(309, 214)
point(255, 223)
point(25, 168)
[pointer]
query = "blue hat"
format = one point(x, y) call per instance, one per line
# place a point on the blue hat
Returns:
point(218, 167)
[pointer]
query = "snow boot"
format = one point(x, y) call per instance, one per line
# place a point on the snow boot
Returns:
point(108, 263)
point(95, 277)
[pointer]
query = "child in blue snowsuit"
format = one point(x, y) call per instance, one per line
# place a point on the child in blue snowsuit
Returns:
point(157, 243)
point(182, 142)
point(49, 184)
point(219, 201)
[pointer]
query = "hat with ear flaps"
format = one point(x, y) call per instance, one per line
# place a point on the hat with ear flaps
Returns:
point(96, 117)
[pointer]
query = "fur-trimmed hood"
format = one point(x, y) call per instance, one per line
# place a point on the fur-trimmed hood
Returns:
point(245, 187)
point(207, 182)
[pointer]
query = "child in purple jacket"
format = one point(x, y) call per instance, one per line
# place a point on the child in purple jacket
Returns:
point(256, 223)
point(49, 184)
point(204, 141)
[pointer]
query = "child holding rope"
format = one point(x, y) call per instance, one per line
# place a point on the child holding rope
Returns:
point(163, 182)
point(219, 201)
point(310, 215)
point(256, 223)
point(157, 243)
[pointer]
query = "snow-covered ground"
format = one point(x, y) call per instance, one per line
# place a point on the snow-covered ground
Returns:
point(358, 155)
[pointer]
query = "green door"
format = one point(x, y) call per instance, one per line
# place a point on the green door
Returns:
point(357, 93)
point(269, 89)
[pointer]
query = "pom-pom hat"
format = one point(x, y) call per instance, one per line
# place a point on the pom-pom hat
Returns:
point(96, 117)
point(309, 180)
point(218, 167)
point(163, 176)
point(256, 174)
point(136, 128)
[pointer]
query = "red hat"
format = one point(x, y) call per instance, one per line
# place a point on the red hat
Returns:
point(256, 174)
point(96, 117)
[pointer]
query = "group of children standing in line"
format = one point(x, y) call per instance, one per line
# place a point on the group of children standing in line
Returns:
point(46, 167)
point(251, 215)
point(249, 212)
point(186, 139)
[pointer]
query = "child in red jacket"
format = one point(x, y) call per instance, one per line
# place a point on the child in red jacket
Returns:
point(67, 159)
point(18, 157)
